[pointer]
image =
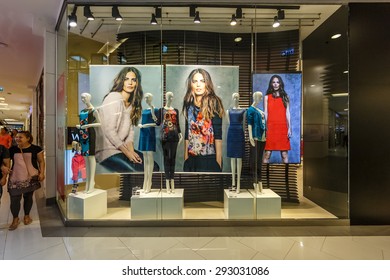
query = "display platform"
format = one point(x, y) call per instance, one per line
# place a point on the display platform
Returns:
point(172, 204)
point(146, 206)
point(239, 206)
point(268, 204)
point(87, 205)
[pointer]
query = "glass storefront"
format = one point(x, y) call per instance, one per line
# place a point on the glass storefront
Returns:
point(174, 112)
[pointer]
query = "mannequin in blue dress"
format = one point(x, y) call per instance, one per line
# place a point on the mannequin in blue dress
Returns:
point(89, 118)
point(236, 139)
point(147, 140)
point(256, 131)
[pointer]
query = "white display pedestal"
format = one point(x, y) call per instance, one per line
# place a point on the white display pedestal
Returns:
point(172, 204)
point(268, 204)
point(146, 206)
point(239, 206)
point(87, 205)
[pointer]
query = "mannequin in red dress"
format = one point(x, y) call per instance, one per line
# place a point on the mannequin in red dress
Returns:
point(277, 114)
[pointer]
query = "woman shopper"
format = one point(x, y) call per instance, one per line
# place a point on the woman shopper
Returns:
point(28, 170)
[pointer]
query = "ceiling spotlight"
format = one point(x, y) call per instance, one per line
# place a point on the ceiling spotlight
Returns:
point(72, 20)
point(153, 20)
point(233, 21)
point(335, 36)
point(276, 22)
point(238, 39)
point(280, 14)
point(88, 14)
point(197, 17)
point(116, 14)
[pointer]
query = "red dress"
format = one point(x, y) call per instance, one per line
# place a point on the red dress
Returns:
point(276, 133)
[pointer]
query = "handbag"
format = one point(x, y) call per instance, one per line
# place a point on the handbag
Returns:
point(29, 185)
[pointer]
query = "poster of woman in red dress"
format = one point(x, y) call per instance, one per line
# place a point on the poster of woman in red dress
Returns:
point(282, 108)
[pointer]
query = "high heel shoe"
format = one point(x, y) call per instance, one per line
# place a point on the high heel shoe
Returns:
point(14, 225)
point(27, 220)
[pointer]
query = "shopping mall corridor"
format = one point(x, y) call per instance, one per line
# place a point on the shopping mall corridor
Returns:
point(47, 238)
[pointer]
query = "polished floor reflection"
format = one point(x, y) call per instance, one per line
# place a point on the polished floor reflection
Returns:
point(47, 238)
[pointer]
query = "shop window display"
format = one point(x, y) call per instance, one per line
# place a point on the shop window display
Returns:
point(169, 125)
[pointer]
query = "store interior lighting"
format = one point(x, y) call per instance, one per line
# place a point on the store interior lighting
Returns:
point(276, 22)
point(116, 14)
point(233, 21)
point(153, 21)
point(197, 17)
point(88, 14)
point(72, 20)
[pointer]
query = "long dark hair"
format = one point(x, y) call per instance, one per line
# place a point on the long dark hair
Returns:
point(282, 92)
point(135, 98)
point(211, 103)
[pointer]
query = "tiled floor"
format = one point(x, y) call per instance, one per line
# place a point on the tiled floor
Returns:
point(186, 243)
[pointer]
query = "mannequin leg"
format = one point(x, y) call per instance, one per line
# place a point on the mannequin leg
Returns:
point(256, 188)
point(239, 168)
point(259, 187)
point(167, 186)
point(173, 186)
point(91, 169)
point(148, 171)
point(233, 164)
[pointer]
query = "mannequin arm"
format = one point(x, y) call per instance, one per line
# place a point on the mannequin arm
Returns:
point(89, 125)
point(251, 140)
point(146, 125)
point(152, 112)
point(227, 116)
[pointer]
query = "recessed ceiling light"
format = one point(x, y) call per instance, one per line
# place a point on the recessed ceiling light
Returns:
point(340, 94)
point(345, 72)
point(312, 85)
point(238, 39)
point(335, 36)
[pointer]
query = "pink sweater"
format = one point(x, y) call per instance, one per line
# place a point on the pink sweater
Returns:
point(116, 128)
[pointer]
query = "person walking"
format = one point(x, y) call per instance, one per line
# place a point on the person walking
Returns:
point(28, 170)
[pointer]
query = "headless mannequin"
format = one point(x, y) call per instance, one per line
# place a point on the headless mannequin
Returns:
point(170, 184)
point(235, 162)
point(148, 155)
point(90, 160)
point(257, 97)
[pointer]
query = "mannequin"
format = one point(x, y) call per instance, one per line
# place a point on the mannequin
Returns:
point(89, 118)
point(170, 138)
point(236, 139)
point(256, 130)
point(147, 140)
